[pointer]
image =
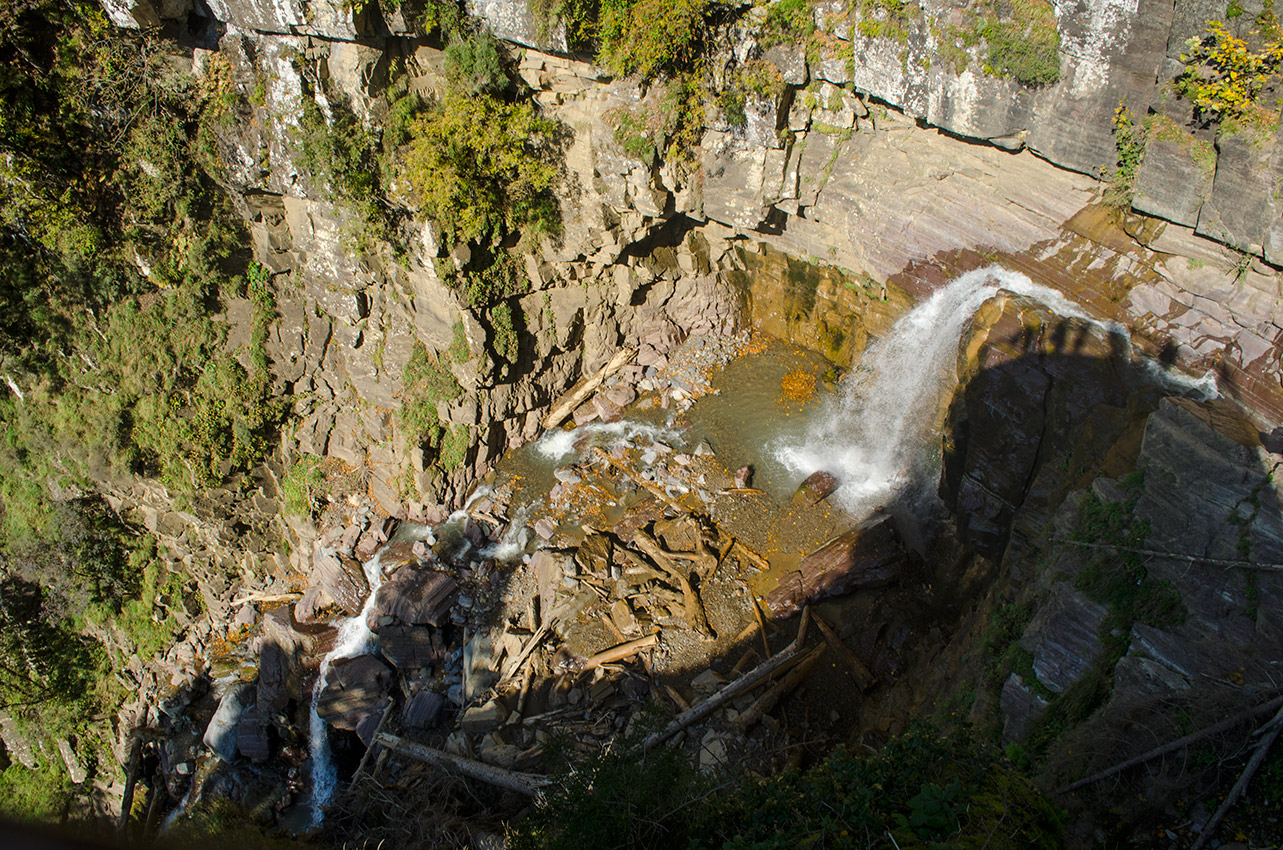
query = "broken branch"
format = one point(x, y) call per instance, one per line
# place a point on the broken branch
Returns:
point(619, 653)
point(1262, 750)
point(522, 783)
point(862, 675)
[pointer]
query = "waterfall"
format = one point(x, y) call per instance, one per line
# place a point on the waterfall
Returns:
point(354, 638)
point(875, 436)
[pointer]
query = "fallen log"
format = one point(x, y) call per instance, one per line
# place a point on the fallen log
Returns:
point(572, 399)
point(522, 783)
point(741, 685)
point(1180, 743)
point(267, 598)
point(801, 668)
point(862, 675)
point(1262, 750)
point(869, 555)
point(620, 652)
point(819, 485)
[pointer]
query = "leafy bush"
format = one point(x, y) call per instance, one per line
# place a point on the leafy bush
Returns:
point(302, 486)
point(1130, 143)
point(651, 38)
point(482, 168)
point(475, 63)
point(1224, 76)
point(426, 381)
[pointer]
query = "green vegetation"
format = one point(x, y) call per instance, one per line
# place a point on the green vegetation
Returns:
point(119, 254)
point(924, 789)
point(788, 21)
point(1119, 578)
point(1160, 128)
point(887, 19)
point(483, 170)
point(344, 156)
point(1024, 44)
point(303, 486)
point(1130, 141)
point(650, 38)
point(427, 380)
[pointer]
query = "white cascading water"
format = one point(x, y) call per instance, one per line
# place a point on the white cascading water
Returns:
point(354, 638)
point(875, 435)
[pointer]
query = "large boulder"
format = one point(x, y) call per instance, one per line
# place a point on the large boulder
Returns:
point(415, 597)
point(354, 690)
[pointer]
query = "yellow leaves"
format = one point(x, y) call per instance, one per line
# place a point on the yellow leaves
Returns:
point(1223, 75)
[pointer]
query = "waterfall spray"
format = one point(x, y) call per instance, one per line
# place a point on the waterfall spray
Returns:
point(876, 435)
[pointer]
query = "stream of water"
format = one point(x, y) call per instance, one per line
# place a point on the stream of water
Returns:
point(876, 434)
point(354, 638)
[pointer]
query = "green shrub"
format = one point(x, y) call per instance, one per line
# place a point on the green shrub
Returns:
point(482, 168)
point(475, 63)
point(303, 486)
point(426, 380)
point(789, 20)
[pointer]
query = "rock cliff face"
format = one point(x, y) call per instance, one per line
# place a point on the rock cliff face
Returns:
point(849, 191)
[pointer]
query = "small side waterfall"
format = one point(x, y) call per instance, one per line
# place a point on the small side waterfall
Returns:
point(876, 435)
point(354, 638)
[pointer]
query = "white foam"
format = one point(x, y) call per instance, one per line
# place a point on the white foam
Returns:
point(557, 444)
point(876, 435)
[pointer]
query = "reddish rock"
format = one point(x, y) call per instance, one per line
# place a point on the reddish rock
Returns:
point(410, 647)
point(251, 736)
point(422, 710)
point(355, 689)
point(869, 555)
point(415, 597)
point(342, 578)
point(817, 486)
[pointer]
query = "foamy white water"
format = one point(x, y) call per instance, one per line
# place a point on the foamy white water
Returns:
point(882, 428)
point(556, 444)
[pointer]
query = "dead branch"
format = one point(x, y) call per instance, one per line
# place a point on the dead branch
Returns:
point(374, 745)
point(522, 783)
point(802, 668)
point(758, 561)
point(863, 676)
point(1262, 750)
point(564, 406)
point(694, 608)
point(1178, 744)
point(526, 650)
point(650, 486)
point(1176, 556)
point(619, 653)
point(131, 780)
